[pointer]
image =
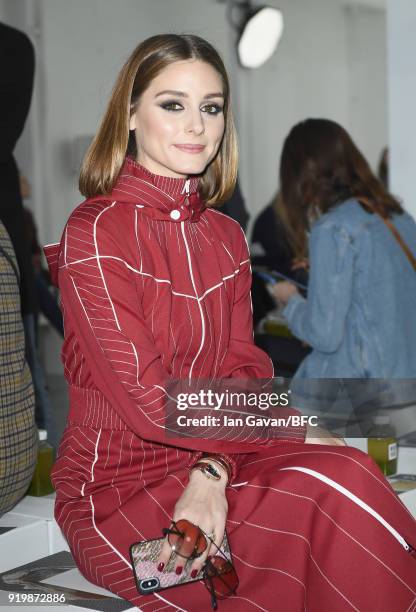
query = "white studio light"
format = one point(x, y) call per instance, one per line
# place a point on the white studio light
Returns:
point(260, 36)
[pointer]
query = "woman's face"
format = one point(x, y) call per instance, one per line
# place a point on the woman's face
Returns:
point(179, 120)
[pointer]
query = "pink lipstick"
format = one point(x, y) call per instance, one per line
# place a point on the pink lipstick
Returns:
point(190, 148)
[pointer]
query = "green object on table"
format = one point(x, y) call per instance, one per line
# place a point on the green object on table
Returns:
point(41, 482)
point(382, 445)
point(275, 327)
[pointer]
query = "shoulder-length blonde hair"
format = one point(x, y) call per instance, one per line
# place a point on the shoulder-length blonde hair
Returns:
point(105, 156)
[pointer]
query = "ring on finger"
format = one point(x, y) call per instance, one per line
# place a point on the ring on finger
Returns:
point(210, 536)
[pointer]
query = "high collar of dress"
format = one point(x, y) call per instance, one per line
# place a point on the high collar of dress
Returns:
point(160, 197)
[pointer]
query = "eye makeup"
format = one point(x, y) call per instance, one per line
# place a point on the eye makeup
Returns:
point(175, 106)
point(171, 105)
point(215, 109)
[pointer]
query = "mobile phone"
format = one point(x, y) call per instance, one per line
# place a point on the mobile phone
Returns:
point(274, 277)
point(267, 277)
point(280, 276)
point(144, 556)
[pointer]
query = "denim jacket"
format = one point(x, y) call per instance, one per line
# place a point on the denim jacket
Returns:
point(360, 313)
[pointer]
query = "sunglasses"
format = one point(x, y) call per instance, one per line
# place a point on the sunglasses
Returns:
point(189, 541)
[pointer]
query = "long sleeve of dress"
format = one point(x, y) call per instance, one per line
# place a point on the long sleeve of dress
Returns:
point(103, 308)
point(244, 359)
point(320, 319)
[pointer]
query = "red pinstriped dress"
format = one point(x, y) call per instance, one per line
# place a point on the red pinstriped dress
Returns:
point(154, 286)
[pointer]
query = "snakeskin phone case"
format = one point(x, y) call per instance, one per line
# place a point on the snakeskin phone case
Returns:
point(144, 556)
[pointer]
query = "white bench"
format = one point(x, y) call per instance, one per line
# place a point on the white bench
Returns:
point(29, 533)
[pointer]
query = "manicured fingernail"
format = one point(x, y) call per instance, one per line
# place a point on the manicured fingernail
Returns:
point(160, 567)
point(179, 570)
point(194, 573)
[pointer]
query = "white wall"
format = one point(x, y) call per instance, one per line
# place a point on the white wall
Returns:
point(401, 18)
point(12, 12)
point(330, 63)
point(367, 79)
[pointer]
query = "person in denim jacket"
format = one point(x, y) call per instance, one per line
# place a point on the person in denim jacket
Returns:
point(359, 315)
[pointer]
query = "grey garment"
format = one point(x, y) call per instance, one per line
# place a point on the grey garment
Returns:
point(18, 432)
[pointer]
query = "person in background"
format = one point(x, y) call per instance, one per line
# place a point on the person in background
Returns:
point(272, 247)
point(359, 313)
point(16, 85)
point(273, 244)
point(47, 299)
point(18, 431)
point(235, 207)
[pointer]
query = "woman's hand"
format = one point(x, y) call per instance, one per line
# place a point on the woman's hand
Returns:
point(203, 503)
point(283, 291)
point(318, 435)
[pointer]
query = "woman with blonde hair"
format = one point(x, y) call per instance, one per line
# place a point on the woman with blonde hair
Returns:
point(155, 287)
